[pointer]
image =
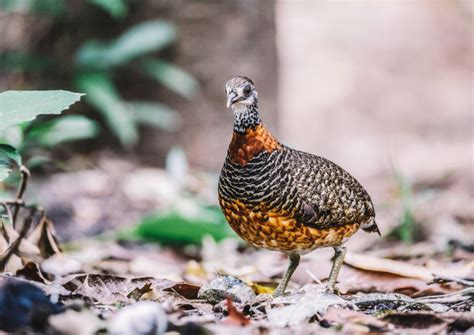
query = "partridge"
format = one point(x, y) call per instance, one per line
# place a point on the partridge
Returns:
point(279, 198)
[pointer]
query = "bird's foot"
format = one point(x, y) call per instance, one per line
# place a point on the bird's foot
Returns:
point(278, 293)
point(332, 289)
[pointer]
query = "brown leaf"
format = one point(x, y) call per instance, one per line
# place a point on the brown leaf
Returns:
point(343, 316)
point(137, 293)
point(108, 289)
point(44, 237)
point(31, 271)
point(188, 291)
point(353, 280)
point(428, 322)
point(404, 269)
point(235, 318)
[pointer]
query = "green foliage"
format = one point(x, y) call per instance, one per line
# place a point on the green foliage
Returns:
point(94, 57)
point(9, 159)
point(139, 40)
point(19, 62)
point(406, 230)
point(96, 63)
point(176, 227)
point(171, 76)
point(116, 8)
point(153, 114)
point(40, 7)
point(17, 107)
point(60, 130)
point(101, 94)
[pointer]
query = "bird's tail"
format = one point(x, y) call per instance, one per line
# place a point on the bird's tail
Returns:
point(371, 227)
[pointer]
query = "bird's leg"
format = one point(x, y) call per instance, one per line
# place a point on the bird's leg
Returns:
point(294, 261)
point(340, 252)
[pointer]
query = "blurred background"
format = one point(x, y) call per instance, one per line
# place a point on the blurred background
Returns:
point(385, 89)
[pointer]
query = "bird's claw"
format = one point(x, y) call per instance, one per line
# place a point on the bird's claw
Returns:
point(332, 290)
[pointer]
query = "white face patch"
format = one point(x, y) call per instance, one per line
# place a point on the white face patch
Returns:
point(242, 98)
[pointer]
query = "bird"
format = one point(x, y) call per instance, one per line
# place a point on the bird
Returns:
point(278, 198)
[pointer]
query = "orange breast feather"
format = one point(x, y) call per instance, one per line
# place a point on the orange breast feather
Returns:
point(244, 147)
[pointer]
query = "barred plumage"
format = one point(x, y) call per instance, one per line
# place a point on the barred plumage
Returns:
point(283, 199)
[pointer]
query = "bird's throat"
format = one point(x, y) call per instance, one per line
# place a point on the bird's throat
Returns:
point(245, 117)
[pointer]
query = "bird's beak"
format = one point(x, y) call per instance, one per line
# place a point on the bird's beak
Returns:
point(231, 98)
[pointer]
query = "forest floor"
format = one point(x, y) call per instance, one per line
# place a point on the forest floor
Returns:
point(130, 285)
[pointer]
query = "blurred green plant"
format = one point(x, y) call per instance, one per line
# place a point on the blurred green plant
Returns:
point(181, 226)
point(115, 8)
point(40, 7)
point(96, 65)
point(406, 230)
point(18, 108)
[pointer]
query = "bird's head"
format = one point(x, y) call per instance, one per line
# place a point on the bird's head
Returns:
point(240, 93)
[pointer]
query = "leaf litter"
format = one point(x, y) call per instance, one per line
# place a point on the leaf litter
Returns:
point(113, 286)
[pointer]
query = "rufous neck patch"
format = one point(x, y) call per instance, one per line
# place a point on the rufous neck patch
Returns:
point(244, 146)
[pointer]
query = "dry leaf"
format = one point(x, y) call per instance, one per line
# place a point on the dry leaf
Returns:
point(344, 316)
point(186, 290)
point(108, 289)
point(235, 318)
point(43, 236)
point(428, 323)
point(302, 305)
point(372, 263)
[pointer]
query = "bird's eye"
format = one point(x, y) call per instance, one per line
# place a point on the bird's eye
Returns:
point(247, 90)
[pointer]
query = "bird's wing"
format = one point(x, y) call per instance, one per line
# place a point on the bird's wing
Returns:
point(329, 196)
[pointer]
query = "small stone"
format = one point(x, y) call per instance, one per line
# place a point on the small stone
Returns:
point(224, 287)
point(145, 317)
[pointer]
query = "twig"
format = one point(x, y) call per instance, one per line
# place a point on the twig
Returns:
point(14, 246)
point(447, 298)
point(9, 213)
point(313, 277)
point(25, 174)
point(442, 279)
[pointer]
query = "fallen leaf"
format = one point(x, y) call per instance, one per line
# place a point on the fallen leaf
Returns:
point(302, 305)
point(353, 280)
point(343, 316)
point(137, 293)
point(267, 288)
point(372, 263)
point(186, 290)
point(31, 271)
point(108, 289)
point(235, 318)
point(428, 322)
point(43, 236)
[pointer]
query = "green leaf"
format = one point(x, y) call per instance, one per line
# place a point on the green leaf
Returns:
point(20, 106)
point(177, 228)
point(101, 94)
point(13, 136)
point(9, 159)
point(20, 61)
point(139, 40)
point(65, 129)
point(116, 8)
point(42, 7)
point(154, 114)
point(171, 76)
